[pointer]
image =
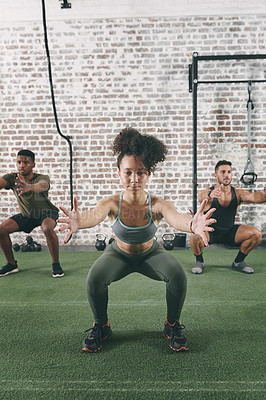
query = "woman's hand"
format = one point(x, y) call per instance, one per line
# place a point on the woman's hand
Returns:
point(72, 222)
point(200, 222)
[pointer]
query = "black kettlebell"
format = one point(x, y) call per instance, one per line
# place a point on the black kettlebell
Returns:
point(100, 242)
point(16, 247)
point(168, 241)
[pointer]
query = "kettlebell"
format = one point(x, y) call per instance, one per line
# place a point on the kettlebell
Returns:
point(100, 242)
point(168, 241)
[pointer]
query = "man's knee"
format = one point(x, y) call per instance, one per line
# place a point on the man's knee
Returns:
point(3, 231)
point(8, 227)
point(196, 242)
point(48, 230)
point(254, 235)
point(251, 237)
point(257, 235)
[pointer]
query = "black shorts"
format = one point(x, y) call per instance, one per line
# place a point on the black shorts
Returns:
point(26, 224)
point(225, 237)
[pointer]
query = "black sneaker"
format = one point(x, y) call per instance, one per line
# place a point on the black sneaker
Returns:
point(174, 332)
point(9, 269)
point(94, 341)
point(57, 270)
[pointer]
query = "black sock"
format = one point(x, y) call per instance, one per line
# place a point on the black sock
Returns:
point(240, 257)
point(199, 258)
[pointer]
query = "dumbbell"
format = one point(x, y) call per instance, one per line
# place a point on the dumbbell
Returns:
point(168, 241)
point(25, 246)
point(38, 247)
point(34, 246)
point(100, 242)
point(29, 245)
point(16, 247)
point(29, 240)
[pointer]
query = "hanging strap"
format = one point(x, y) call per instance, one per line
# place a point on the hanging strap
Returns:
point(249, 176)
point(250, 107)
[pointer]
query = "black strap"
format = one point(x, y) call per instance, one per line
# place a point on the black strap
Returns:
point(249, 176)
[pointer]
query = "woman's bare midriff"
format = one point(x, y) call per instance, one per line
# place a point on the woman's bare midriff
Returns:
point(134, 248)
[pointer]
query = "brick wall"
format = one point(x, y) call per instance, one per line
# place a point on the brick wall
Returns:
point(110, 73)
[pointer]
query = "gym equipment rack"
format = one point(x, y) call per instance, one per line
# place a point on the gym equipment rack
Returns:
point(193, 87)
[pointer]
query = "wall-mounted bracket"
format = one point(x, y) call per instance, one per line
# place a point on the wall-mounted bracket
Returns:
point(65, 4)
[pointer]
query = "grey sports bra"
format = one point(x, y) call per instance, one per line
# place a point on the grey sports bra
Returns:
point(136, 235)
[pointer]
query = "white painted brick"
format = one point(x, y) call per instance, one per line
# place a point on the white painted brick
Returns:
point(110, 73)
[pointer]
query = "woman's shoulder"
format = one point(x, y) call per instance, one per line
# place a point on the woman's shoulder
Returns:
point(154, 198)
point(159, 204)
point(113, 199)
point(156, 201)
point(112, 202)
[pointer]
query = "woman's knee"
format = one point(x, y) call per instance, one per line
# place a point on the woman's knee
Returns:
point(181, 276)
point(100, 274)
point(175, 272)
point(95, 277)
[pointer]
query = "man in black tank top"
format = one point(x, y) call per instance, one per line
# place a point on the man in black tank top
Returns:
point(226, 199)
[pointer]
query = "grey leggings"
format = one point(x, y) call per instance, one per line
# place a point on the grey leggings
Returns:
point(156, 263)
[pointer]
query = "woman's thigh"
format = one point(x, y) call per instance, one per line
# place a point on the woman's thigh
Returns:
point(109, 267)
point(162, 266)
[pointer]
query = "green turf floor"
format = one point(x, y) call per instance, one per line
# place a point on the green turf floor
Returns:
point(43, 322)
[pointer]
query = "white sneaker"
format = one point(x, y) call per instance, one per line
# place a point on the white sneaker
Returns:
point(242, 267)
point(198, 267)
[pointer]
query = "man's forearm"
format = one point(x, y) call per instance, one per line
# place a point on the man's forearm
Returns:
point(259, 197)
point(39, 187)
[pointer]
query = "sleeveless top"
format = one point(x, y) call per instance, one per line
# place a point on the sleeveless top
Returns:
point(134, 235)
point(225, 216)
